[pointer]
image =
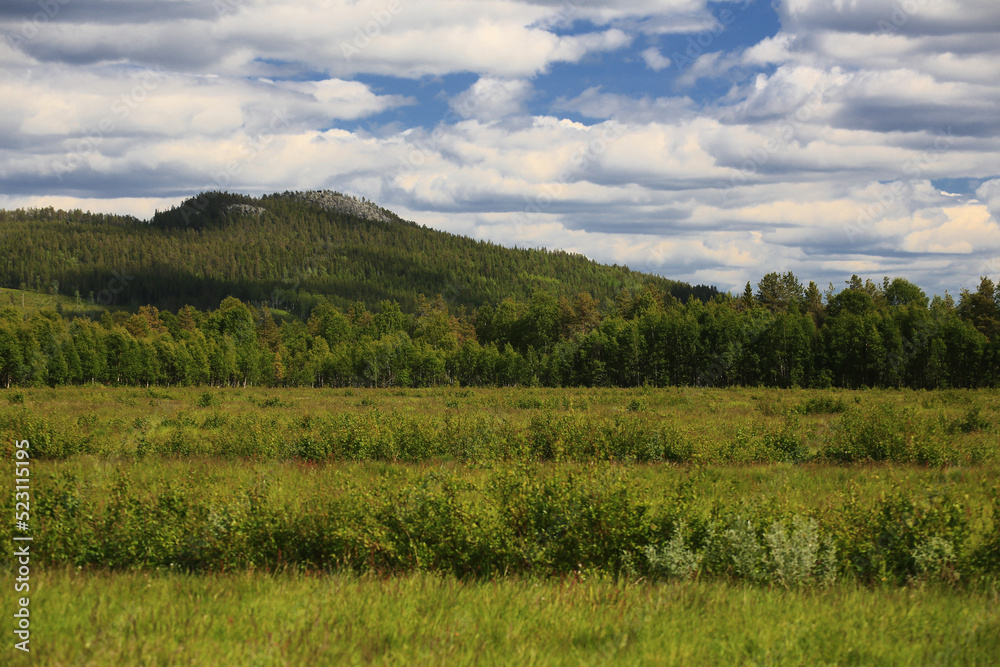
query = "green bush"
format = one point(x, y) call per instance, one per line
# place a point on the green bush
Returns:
point(971, 422)
point(636, 405)
point(206, 400)
point(675, 558)
point(822, 405)
point(514, 519)
point(879, 433)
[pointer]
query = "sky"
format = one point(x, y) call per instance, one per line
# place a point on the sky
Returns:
point(710, 142)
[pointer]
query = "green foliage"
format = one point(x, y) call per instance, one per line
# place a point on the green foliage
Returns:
point(292, 253)
point(906, 536)
point(272, 402)
point(207, 400)
point(514, 519)
point(306, 296)
point(879, 433)
point(478, 426)
point(822, 405)
point(636, 405)
point(797, 553)
point(971, 422)
point(675, 558)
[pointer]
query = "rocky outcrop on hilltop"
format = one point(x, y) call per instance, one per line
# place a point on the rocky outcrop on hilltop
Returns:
point(334, 201)
point(246, 209)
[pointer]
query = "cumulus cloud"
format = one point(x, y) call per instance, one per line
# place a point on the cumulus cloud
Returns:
point(491, 98)
point(655, 60)
point(911, 17)
point(815, 149)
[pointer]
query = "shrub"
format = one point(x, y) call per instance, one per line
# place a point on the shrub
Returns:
point(675, 558)
point(736, 551)
point(876, 434)
point(972, 421)
point(528, 403)
point(636, 405)
point(822, 405)
point(206, 400)
point(794, 553)
point(46, 441)
point(934, 557)
point(787, 443)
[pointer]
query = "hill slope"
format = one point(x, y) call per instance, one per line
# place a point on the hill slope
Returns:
point(285, 250)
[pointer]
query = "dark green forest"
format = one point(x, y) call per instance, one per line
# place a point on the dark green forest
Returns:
point(286, 253)
point(231, 290)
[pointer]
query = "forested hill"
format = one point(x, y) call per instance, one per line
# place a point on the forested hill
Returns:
point(287, 251)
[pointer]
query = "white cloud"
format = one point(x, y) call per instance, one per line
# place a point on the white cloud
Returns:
point(490, 98)
point(655, 60)
point(966, 229)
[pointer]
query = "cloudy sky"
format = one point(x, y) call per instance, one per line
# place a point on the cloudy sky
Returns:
point(707, 141)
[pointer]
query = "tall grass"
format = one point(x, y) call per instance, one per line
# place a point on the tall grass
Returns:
point(280, 619)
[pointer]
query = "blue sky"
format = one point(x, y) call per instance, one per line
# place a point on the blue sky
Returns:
point(711, 142)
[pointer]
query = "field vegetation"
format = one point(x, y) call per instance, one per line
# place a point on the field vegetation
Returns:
point(453, 525)
point(297, 428)
point(260, 618)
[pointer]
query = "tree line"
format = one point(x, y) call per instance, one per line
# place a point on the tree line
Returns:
point(780, 335)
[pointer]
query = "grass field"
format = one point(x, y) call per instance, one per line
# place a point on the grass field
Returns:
point(681, 425)
point(256, 618)
point(456, 526)
point(28, 302)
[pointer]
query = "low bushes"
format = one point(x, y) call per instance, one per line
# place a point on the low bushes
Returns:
point(514, 519)
point(888, 433)
point(876, 431)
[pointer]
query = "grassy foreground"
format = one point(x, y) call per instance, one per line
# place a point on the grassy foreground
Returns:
point(581, 527)
point(260, 619)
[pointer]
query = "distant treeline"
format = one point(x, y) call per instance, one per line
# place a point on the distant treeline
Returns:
point(780, 335)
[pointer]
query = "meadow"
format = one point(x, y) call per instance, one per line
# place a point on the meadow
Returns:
point(259, 618)
point(540, 526)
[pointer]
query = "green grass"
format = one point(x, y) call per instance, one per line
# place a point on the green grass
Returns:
point(27, 302)
point(509, 526)
point(735, 426)
point(254, 618)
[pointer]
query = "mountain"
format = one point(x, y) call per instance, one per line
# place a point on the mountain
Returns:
point(288, 251)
